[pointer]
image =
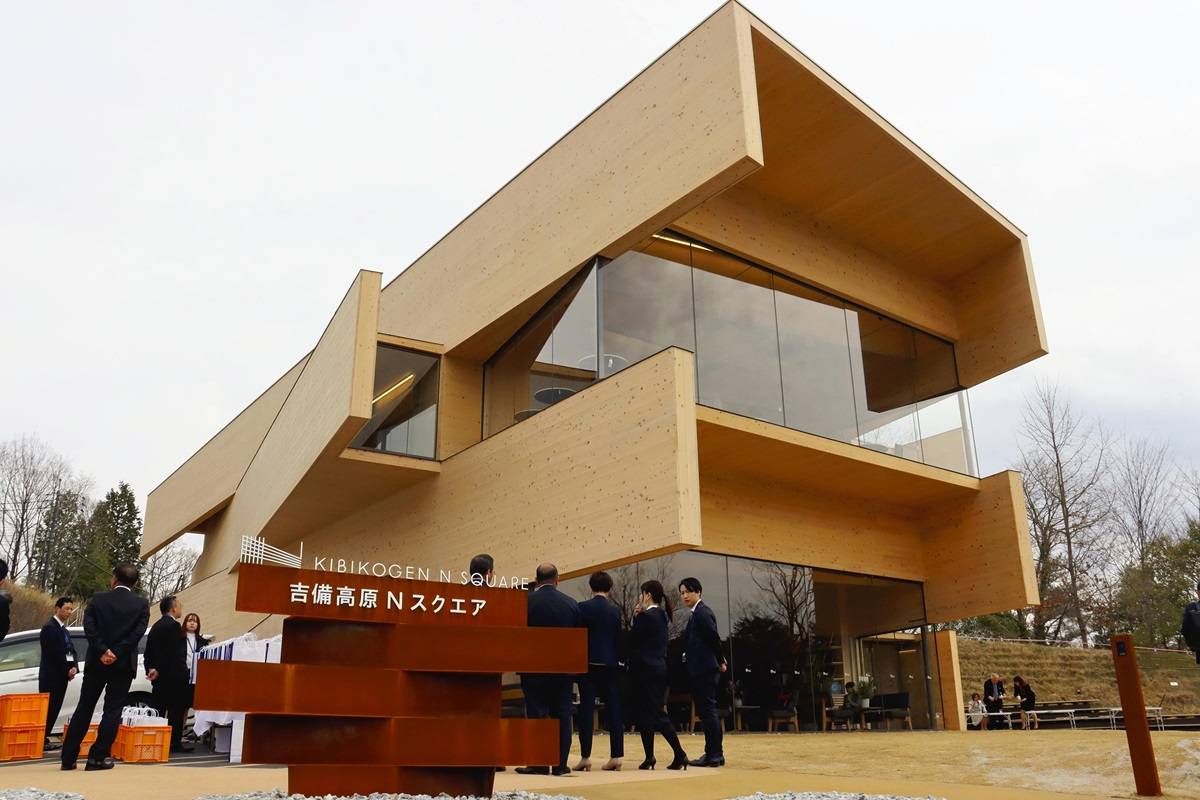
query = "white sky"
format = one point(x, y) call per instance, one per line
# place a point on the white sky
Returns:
point(186, 190)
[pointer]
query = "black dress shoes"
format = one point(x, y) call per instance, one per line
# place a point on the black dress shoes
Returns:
point(708, 761)
point(66, 766)
point(107, 763)
point(533, 770)
point(560, 771)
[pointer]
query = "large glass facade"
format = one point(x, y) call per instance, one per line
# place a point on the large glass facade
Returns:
point(774, 349)
point(793, 637)
point(766, 347)
point(551, 358)
point(404, 406)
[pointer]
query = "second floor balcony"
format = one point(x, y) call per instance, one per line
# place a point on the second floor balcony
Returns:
point(766, 347)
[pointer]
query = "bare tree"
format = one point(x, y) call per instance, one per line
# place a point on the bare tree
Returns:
point(31, 474)
point(1189, 487)
point(1046, 541)
point(168, 571)
point(1069, 458)
point(1144, 499)
point(788, 595)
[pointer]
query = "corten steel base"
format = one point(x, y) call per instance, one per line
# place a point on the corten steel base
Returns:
point(389, 698)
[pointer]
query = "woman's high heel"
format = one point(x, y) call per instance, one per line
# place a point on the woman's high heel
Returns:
point(584, 765)
point(647, 764)
point(680, 762)
point(613, 765)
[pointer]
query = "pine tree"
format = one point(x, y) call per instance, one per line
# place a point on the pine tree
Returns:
point(119, 524)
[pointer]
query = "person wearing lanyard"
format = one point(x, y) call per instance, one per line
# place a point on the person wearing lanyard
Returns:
point(59, 664)
point(195, 643)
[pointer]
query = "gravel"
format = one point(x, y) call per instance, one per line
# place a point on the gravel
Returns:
point(36, 794)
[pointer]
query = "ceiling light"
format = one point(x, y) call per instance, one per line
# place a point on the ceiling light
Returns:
point(407, 379)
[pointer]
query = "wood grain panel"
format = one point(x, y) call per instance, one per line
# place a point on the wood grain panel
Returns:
point(682, 130)
point(302, 689)
point(607, 474)
point(977, 552)
point(1000, 316)
point(732, 444)
point(757, 518)
point(945, 644)
point(323, 411)
point(781, 237)
point(204, 484)
point(482, 649)
point(460, 405)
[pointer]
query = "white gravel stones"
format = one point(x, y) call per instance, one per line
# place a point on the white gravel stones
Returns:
point(829, 796)
point(36, 794)
point(279, 795)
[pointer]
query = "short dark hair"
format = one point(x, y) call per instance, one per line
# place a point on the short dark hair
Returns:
point(62, 601)
point(3, 569)
point(482, 564)
point(546, 572)
point(600, 581)
point(167, 603)
point(849, 685)
point(692, 585)
point(126, 574)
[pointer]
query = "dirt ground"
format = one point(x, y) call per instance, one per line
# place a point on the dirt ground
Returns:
point(1000, 765)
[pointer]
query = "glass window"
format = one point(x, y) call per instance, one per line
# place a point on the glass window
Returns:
point(818, 390)
point(404, 408)
point(20, 655)
point(551, 358)
point(646, 304)
point(737, 347)
point(946, 439)
point(882, 362)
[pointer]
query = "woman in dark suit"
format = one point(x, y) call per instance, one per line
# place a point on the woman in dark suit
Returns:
point(1024, 692)
point(648, 673)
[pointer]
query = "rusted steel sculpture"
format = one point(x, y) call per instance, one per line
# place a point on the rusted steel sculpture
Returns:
point(388, 685)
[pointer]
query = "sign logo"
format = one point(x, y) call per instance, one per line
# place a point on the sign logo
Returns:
point(255, 550)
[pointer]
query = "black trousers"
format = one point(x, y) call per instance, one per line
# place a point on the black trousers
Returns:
point(171, 699)
point(649, 690)
point(550, 696)
point(601, 681)
point(57, 691)
point(115, 686)
point(704, 695)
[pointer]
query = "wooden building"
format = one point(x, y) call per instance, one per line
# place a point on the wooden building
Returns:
point(723, 327)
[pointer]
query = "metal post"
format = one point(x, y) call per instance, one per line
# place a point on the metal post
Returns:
point(1137, 726)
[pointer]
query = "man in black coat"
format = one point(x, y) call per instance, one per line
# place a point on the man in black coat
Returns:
point(167, 668)
point(113, 623)
point(59, 664)
point(550, 695)
point(603, 620)
point(705, 663)
point(993, 701)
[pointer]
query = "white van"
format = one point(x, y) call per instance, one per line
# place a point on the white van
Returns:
point(21, 653)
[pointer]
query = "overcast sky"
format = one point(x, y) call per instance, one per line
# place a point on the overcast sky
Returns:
point(186, 190)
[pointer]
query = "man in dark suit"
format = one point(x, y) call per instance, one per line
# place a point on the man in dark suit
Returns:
point(603, 620)
point(993, 701)
point(705, 663)
point(59, 664)
point(113, 623)
point(167, 668)
point(550, 695)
